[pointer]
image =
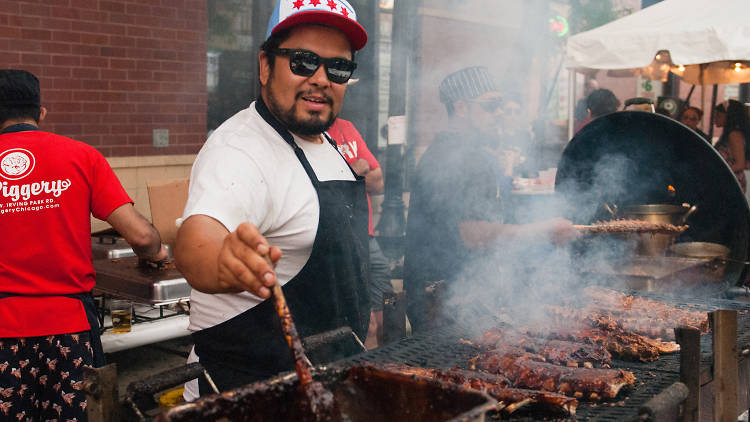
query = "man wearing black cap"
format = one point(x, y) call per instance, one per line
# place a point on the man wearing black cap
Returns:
point(269, 183)
point(49, 187)
point(455, 208)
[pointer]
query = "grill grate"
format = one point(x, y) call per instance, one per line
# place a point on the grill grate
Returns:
point(441, 348)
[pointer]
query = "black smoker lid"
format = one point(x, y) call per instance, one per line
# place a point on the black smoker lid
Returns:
point(631, 157)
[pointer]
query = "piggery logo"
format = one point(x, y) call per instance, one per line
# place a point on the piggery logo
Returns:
point(16, 163)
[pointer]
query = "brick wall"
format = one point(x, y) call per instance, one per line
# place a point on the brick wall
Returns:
point(112, 71)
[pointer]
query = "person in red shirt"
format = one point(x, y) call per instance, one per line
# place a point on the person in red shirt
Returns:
point(355, 152)
point(49, 187)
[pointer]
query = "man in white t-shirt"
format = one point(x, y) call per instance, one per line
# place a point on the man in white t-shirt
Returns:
point(269, 183)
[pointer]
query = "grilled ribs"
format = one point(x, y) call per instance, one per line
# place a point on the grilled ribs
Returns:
point(560, 352)
point(525, 372)
point(629, 307)
point(510, 399)
point(470, 379)
point(621, 344)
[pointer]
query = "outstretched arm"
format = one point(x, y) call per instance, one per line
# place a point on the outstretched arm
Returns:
point(213, 260)
point(477, 234)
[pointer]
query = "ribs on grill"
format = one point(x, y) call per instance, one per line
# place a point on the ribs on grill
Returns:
point(497, 386)
point(649, 311)
point(610, 332)
point(559, 352)
point(526, 372)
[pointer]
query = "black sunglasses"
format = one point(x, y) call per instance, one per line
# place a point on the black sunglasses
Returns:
point(306, 63)
point(490, 106)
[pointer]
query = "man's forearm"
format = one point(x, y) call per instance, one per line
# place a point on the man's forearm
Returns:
point(199, 241)
point(150, 249)
point(374, 181)
point(477, 234)
point(137, 231)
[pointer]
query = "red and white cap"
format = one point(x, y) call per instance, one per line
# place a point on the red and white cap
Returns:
point(336, 13)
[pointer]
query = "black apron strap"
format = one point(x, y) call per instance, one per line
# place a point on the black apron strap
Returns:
point(92, 315)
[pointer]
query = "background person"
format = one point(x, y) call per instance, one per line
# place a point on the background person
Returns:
point(48, 319)
point(456, 206)
point(599, 102)
point(358, 155)
point(691, 117)
point(581, 112)
point(268, 181)
point(732, 144)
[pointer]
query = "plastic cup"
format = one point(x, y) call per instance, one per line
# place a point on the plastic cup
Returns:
point(121, 311)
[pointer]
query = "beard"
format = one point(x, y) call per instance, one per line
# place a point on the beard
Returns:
point(313, 125)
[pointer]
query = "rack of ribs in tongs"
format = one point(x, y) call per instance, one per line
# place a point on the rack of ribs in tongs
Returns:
point(623, 225)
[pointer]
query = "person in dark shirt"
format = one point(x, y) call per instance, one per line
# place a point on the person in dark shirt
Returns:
point(691, 117)
point(456, 206)
point(598, 103)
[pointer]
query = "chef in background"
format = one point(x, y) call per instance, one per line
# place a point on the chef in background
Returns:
point(49, 187)
point(456, 205)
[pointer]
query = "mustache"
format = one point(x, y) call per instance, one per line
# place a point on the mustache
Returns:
point(325, 96)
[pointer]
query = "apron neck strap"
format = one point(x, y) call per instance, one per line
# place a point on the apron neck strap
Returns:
point(266, 114)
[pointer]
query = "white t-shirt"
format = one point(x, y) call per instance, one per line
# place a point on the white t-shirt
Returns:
point(247, 172)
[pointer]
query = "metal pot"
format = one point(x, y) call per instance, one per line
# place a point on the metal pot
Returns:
point(714, 255)
point(656, 244)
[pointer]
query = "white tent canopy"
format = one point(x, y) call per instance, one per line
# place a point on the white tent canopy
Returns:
point(704, 42)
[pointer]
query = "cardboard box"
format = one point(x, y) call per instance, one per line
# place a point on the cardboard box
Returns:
point(167, 200)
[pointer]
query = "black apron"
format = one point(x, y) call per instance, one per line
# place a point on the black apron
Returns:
point(330, 291)
point(89, 305)
point(92, 315)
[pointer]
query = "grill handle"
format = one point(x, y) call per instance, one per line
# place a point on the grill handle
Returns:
point(666, 405)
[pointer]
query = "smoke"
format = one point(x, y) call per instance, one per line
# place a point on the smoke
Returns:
point(515, 278)
point(520, 276)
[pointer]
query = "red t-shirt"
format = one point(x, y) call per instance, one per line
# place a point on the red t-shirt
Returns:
point(49, 187)
point(353, 147)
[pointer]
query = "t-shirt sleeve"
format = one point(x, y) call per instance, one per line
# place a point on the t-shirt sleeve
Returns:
point(363, 152)
point(346, 130)
point(107, 193)
point(227, 185)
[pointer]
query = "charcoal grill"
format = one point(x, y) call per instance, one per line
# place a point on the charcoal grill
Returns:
point(441, 348)
point(632, 157)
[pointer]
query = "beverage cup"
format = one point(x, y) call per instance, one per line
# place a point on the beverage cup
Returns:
point(121, 311)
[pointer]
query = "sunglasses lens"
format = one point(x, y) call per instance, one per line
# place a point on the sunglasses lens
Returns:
point(339, 70)
point(304, 63)
point(491, 106)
